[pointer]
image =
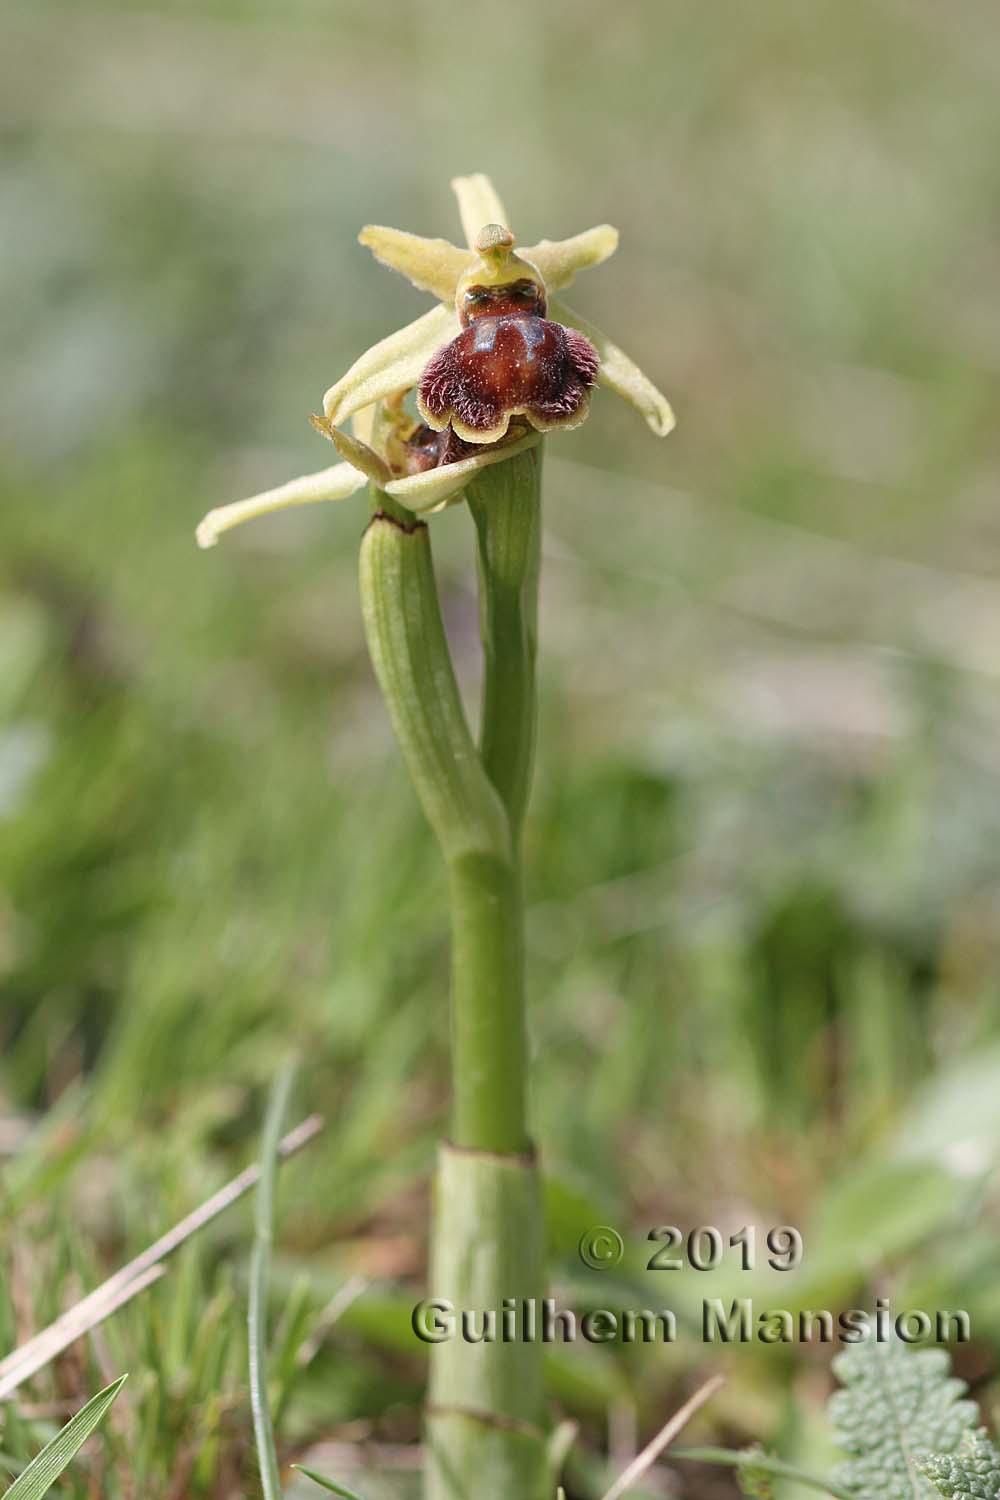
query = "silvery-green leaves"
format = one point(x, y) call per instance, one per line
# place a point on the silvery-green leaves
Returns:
point(894, 1404)
point(973, 1473)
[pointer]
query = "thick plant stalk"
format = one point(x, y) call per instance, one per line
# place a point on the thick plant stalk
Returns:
point(485, 1419)
point(485, 1403)
point(506, 508)
point(488, 1039)
point(410, 654)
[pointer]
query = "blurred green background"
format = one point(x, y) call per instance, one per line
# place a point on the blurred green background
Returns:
point(765, 843)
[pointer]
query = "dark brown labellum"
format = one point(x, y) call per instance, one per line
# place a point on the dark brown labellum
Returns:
point(499, 366)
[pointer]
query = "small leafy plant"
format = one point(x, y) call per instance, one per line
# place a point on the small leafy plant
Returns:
point(894, 1405)
point(973, 1473)
point(906, 1425)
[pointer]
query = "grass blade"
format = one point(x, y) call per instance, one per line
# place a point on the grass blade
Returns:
point(43, 1471)
point(39, 1351)
point(260, 1272)
point(327, 1484)
point(652, 1451)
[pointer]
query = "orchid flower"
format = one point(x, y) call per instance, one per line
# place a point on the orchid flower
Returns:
point(490, 370)
point(496, 365)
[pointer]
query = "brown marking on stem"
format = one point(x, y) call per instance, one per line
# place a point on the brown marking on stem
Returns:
point(507, 1159)
point(406, 527)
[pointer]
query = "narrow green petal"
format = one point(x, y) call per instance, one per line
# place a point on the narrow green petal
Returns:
point(329, 484)
point(395, 364)
point(559, 260)
point(432, 265)
point(617, 373)
point(437, 487)
point(478, 204)
point(358, 453)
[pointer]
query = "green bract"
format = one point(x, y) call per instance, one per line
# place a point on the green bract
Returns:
point(373, 388)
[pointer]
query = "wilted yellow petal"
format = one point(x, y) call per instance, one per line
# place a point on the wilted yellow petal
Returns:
point(478, 204)
point(432, 265)
point(360, 454)
point(436, 487)
point(559, 260)
point(329, 484)
point(618, 373)
point(395, 364)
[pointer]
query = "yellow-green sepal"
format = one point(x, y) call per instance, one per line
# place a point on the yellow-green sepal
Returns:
point(620, 374)
point(478, 204)
point(335, 483)
point(431, 265)
point(560, 260)
point(390, 366)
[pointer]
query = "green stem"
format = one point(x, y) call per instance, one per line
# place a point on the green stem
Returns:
point(461, 800)
point(485, 1438)
point(490, 1045)
point(506, 507)
point(489, 1042)
point(486, 1410)
point(409, 652)
point(763, 1464)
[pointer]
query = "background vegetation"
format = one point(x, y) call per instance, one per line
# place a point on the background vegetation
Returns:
point(765, 878)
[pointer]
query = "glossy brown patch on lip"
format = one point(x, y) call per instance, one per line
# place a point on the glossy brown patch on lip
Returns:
point(499, 365)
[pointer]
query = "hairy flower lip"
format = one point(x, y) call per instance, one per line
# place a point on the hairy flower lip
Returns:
point(499, 368)
point(490, 436)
